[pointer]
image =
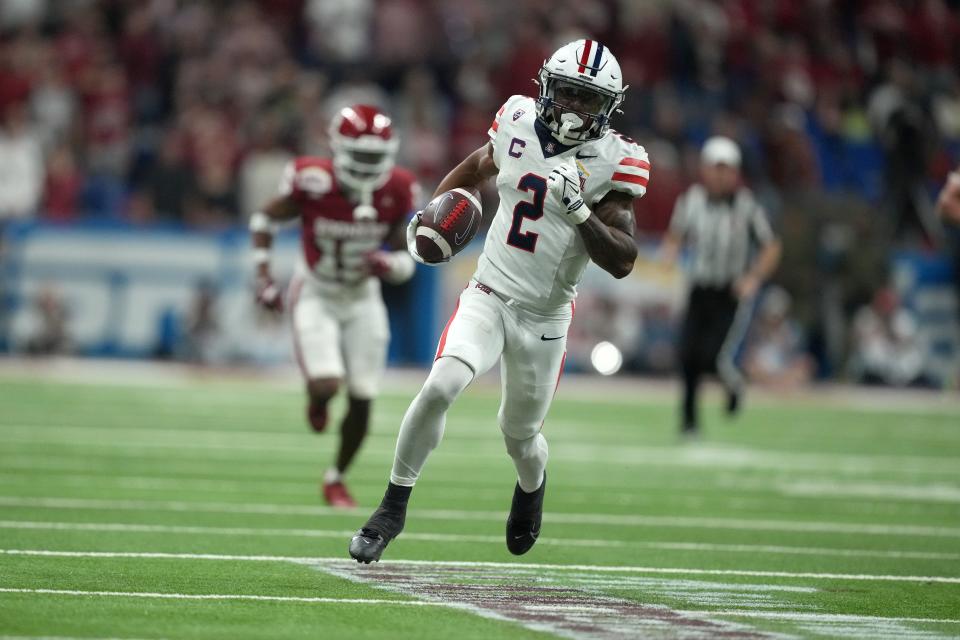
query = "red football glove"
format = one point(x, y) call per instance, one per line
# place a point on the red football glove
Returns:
point(268, 294)
point(378, 263)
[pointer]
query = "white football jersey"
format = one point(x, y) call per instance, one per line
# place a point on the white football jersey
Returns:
point(532, 252)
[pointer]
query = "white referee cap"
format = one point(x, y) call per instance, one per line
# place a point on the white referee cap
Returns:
point(720, 150)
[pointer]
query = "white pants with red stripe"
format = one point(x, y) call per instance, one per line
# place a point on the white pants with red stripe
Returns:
point(531, 346)
point(340, 332)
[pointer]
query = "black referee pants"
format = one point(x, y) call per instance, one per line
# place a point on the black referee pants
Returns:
point(706, 333)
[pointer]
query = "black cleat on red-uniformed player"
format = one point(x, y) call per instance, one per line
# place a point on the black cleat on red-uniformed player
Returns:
point(526, 516)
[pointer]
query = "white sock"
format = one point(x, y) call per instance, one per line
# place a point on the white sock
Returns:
point(332, 476)
point(529, 458)
point(423, 424)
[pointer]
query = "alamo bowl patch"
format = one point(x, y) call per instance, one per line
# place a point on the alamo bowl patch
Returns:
point(584, 174)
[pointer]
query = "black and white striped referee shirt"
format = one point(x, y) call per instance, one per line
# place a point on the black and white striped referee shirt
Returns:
point(721, 233)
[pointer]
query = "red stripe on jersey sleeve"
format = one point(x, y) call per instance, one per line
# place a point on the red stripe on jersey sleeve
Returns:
point(496, 119)
point(635, 162)
point(629, 177)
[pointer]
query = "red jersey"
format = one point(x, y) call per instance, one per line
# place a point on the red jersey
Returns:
point(334, 241)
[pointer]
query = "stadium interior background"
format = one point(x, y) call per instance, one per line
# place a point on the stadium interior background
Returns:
point(137, 137)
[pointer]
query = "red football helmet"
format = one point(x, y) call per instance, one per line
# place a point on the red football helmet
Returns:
point(364, 147)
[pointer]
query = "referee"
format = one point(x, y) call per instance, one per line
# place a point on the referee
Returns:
point(948, 206)
point(733, 250)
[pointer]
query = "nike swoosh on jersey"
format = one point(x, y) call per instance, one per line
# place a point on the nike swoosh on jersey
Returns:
point(580, 156)
point(544, 337)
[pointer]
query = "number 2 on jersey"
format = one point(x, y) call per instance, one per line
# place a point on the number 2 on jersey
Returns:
point(527, 210)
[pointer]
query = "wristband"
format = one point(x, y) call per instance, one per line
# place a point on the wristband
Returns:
point(580, 214)
point(260, 256)
point(260, 223)
point(401, 267)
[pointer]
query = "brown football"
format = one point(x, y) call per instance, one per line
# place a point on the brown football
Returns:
point(448, 224)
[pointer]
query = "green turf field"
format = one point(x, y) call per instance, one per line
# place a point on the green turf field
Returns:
point(193, 511)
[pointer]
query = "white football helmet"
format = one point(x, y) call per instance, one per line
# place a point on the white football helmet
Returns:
point(580, 88)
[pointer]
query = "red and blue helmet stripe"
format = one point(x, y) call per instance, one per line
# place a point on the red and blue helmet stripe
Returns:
point(585, 63)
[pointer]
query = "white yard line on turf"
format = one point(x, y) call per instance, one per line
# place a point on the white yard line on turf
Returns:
point(856, 497)
point(207, 421)
point(800, 616)
point(119, 527)
point(505, 565)
point(222, 596)
point(249, 486)
point(705, 455)
point(623, 520)
point(185, 382)
point(886, 491)
point(64, 638)
point(30, 469)
point(298, 533)
point(200, 477)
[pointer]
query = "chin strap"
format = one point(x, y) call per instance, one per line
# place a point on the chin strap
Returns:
point(568, 122)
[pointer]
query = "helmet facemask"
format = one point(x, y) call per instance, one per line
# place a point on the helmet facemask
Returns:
point(363, 163)
point(573, 110)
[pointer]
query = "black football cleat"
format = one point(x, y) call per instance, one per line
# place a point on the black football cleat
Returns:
point(690, 433)
point(734, 402)
point(383, 526)
point(526, 515)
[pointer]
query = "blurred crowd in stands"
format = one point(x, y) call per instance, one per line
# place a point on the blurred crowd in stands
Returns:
point(185, 111)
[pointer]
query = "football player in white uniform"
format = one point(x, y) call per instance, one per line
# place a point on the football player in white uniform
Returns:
point(567, 183)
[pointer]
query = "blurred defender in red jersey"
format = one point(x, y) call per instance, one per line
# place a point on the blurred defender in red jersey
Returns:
point(352, 211)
